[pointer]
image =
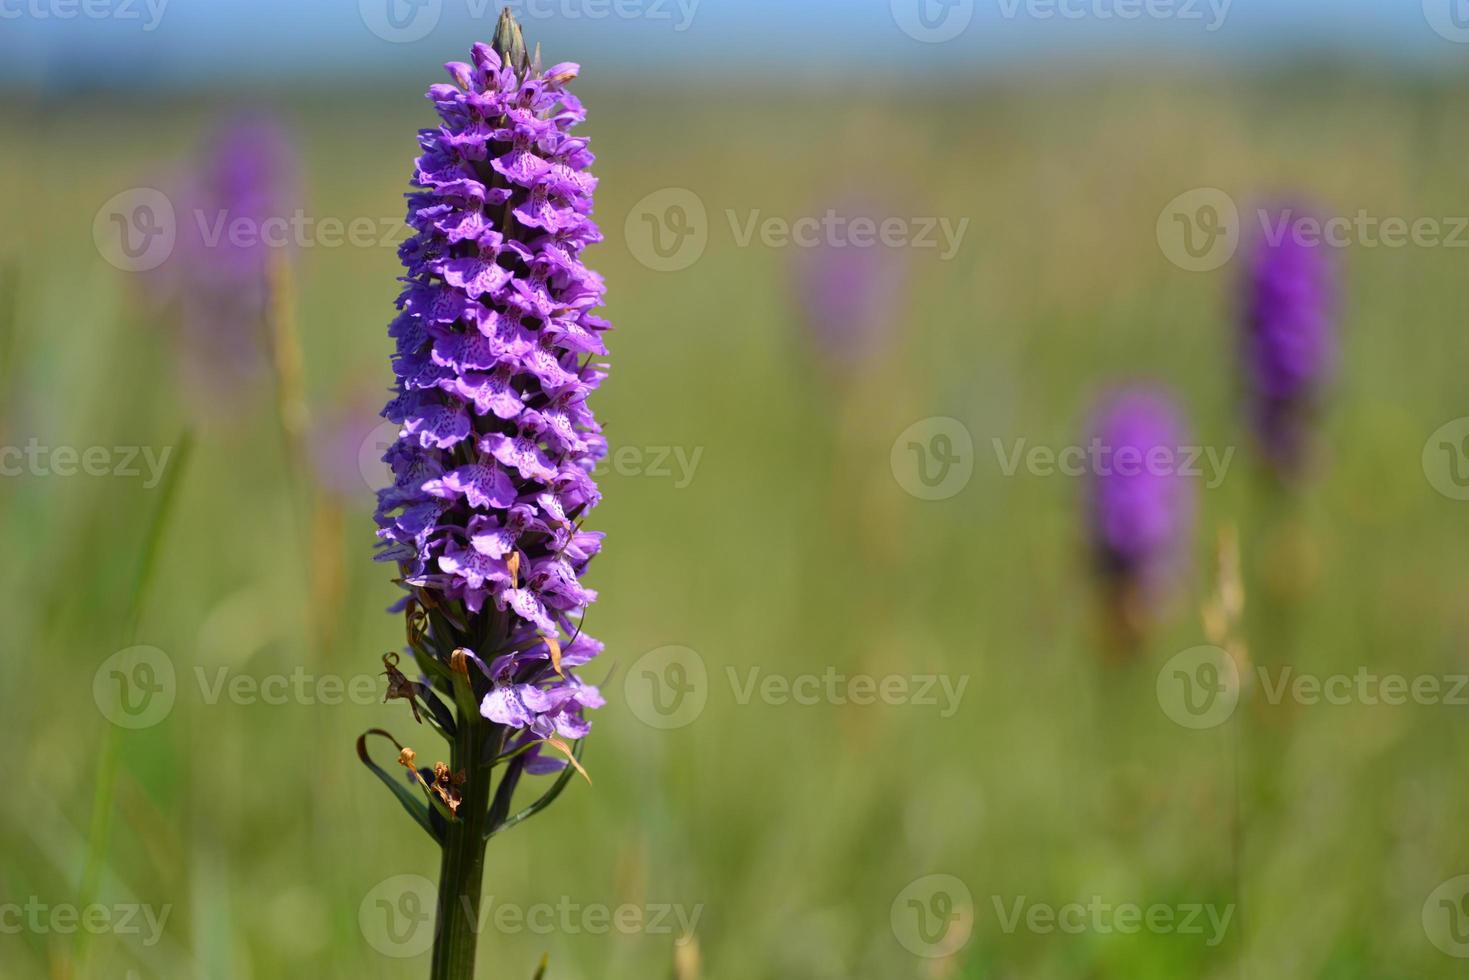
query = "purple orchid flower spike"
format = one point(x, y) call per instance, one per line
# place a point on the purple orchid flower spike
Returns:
point(1140, 506)
point(1288, 339)
point(497, 351)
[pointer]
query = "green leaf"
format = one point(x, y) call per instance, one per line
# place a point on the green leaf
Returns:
point(410, 799)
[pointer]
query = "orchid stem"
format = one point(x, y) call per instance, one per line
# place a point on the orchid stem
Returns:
point(461, 870)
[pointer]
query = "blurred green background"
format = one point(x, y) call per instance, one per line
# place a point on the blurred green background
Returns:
point(794, 832)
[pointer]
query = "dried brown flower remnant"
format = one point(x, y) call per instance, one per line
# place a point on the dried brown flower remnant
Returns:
point(447, 784)
point(399, 686)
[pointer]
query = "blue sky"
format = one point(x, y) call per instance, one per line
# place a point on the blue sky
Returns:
point(213, 43)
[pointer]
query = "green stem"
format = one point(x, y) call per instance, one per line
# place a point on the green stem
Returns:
point(461, 870)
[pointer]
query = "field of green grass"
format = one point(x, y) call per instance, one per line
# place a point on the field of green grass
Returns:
point(799, 840)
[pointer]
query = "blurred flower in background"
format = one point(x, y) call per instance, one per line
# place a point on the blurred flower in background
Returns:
point(1288, 337)
point(850, 297)
point(848, 293)
point(1140, 507)
point(233, 203)
point(345, 452)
